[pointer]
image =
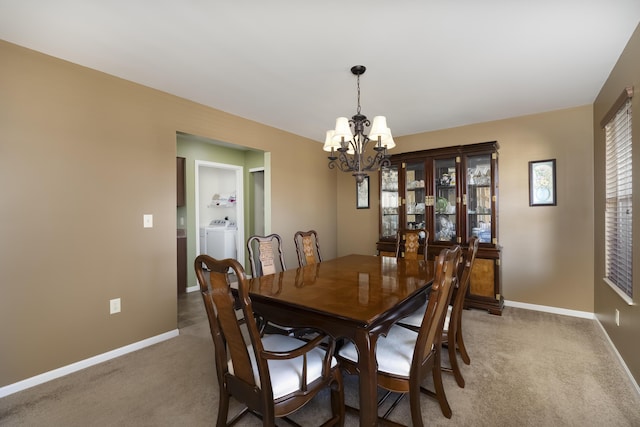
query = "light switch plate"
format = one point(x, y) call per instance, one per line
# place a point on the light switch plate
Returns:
point(114, 306)
point(147, 221)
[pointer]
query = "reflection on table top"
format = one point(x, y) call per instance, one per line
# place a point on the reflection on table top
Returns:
point(355, 287)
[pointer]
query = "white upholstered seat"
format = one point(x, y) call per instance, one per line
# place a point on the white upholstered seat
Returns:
point(286, 375)
point(393, 352)
point(415, 318)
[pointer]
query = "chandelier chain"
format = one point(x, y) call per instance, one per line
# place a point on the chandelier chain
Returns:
point(358, 80)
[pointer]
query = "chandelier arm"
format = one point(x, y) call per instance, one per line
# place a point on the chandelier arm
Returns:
point(370, 161)
point(349, 159)
point(357, 162)
point(344, 162)
point(386, 162)
point(337, 164)
point(370, 164)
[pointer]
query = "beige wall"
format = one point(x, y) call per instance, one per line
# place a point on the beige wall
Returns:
point(544, 249)
point(625, 337)
point(83, 156)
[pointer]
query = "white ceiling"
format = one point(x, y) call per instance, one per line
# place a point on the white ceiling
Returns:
point(286, 63)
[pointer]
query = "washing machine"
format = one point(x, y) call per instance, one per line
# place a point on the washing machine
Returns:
point(218, 239)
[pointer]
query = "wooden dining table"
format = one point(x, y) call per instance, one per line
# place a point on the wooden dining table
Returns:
point(355, 297)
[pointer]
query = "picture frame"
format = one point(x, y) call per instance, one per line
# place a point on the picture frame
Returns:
point(362, 193)
point(542, 183)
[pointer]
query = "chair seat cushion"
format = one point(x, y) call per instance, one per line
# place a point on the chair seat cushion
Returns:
point(415, 318)
point(393, 352)
point(286, 375)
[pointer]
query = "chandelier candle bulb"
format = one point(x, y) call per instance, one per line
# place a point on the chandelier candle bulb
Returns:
point(329, 143)
point(388, 142)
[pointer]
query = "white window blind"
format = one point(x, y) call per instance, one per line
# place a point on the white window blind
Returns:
point(619, 209)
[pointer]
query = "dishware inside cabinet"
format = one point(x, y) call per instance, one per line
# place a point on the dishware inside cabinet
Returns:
point(446, 199)
point(479, 212)
point(389, 202)
point(415, 196)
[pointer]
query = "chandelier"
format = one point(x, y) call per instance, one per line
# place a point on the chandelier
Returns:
point(348, 142)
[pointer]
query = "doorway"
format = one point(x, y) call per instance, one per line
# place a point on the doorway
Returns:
point(219, 154)
point(219, 209)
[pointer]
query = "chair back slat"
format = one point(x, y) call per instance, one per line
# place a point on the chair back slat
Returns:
point(220, 303)
point(265, 254)
point(307, 247)
point(412, 244)
point(430, 332)
point(266, 258)
point(464, 276)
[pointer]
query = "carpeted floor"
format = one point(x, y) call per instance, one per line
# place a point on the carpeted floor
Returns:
point(527, 369)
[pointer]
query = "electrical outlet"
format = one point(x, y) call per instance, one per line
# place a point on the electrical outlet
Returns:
point(617, 317)
point(114, 306)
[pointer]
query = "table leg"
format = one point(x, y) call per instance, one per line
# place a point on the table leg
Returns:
point(367, 367)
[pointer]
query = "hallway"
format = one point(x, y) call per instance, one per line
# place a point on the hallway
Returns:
point(190, 309)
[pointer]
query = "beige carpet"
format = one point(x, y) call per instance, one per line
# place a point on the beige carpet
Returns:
point(527, 369)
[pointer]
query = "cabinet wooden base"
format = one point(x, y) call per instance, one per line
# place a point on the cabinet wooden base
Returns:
point(493, 307)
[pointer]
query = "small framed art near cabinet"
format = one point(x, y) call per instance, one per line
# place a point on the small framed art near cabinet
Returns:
point(451, 192)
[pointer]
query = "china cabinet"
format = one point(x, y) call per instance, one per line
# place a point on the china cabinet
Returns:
point(453, 193)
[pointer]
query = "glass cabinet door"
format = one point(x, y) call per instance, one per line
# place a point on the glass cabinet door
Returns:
point(389, 202)
point(415, 196)
point(479, 197)
point(445, 200)
point(453, 193)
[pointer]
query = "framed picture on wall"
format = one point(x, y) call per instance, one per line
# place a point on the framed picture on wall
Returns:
point(542, 183)
point(362, 194)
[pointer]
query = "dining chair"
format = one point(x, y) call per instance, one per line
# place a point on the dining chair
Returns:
point(265, 254)
point(452, 336)
point(405, 357)
point(307, 247)
point(412, 244)
point(266, 257)
point(272, 375)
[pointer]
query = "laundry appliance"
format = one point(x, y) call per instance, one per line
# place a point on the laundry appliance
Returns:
point(218, 239)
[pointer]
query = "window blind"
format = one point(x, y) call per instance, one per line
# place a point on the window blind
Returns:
point(618, 207)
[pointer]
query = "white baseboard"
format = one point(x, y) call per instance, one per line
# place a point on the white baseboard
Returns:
point(582, 314)
point(615, 350)
point(554, 310)
point(66, 370)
